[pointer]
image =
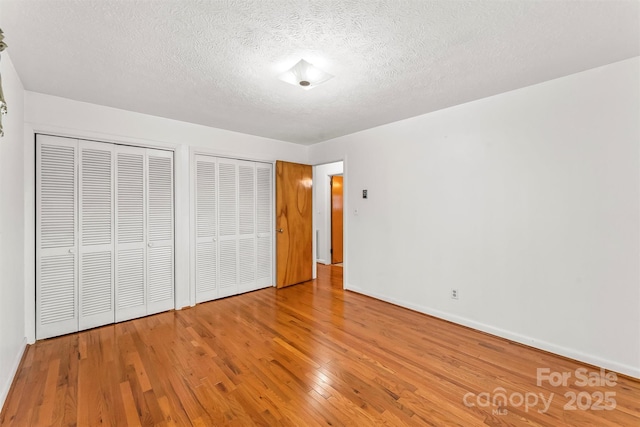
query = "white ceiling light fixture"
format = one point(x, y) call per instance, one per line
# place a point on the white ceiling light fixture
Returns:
point(305, 75)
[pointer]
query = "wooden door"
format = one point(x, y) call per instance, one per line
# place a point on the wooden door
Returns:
point(336, 219)
point(294, 258)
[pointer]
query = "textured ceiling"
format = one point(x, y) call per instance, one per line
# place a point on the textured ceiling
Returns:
point(216, 63)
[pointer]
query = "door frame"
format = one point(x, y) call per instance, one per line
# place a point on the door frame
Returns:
point(345, 218)
point(212, 152)
point(181, 235)
point(31, 224)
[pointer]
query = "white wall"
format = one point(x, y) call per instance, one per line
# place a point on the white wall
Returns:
point(12, 337)
point(527, 202)
point(64, 117)
point(322, 208)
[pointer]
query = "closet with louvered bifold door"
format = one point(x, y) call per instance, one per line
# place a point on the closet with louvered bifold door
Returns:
point(233, 223)
point(104, 234)
point(144, 232)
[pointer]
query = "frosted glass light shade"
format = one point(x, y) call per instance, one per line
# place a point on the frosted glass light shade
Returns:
point(305, 75)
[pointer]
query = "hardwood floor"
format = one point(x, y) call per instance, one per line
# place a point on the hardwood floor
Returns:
point(310, 354)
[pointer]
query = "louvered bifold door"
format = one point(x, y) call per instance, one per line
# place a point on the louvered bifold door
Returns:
point(56, 236)
point(206, 226)
point(264, 224)
point(246, 226)
point(96, 235)
point(160, 246)
point(131, 247)
point(227, 227)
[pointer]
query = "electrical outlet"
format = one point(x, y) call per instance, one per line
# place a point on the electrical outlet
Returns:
point(454, 294)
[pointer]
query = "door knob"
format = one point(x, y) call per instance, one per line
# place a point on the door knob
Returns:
point(150, 245)
point(72, 251)
point(280, 230)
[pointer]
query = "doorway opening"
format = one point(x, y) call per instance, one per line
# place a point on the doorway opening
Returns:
point(329, 213)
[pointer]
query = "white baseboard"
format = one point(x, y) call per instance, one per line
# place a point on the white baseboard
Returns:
point(14, 369)
point(632, 371)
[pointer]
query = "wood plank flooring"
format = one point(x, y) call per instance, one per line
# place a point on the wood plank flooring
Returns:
point(308, 355)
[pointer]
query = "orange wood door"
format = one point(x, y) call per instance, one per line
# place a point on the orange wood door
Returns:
point(336, 219)
point(294, 229)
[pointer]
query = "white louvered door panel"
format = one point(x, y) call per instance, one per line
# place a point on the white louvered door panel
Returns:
point(246, 226)
point(56, 236)
point(96, 248)
point(160, 246)
point(130, 271)
point(264, 225)
point(228, 227)
point(206, 226)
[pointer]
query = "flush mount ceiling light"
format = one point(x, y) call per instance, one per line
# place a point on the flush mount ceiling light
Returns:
point(305, 75)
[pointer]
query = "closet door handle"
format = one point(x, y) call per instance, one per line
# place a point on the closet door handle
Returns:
point(72, 251)
point(279, 230)
point(150, 245)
